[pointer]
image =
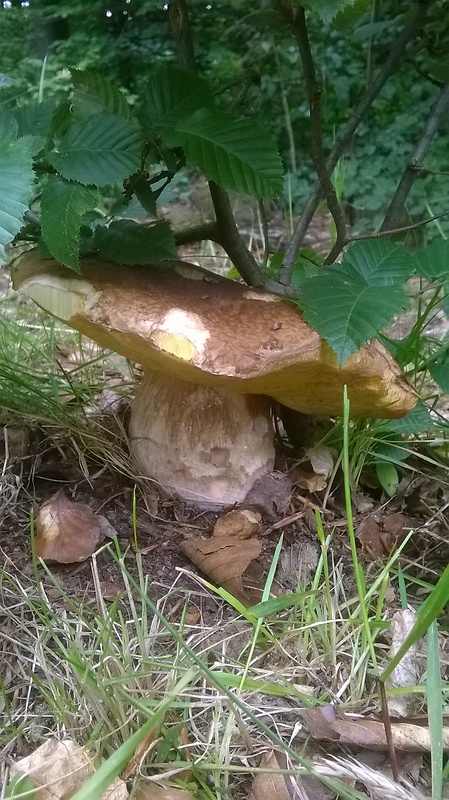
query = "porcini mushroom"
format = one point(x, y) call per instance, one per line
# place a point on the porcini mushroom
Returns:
point(215, 354)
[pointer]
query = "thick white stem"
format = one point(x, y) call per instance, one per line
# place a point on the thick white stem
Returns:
point(206, 445)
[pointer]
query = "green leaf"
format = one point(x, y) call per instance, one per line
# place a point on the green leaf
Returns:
point(237, 154)
point(22, 785)
point(144, 193)
point(8, 125)
point(346, 310)
point(16, 181)
point(63, 205)
point(379, 262)
point(127, 242)
point(433, 262)
point(418, 420)
point(103, 150)
point(35, 119)
point(388, 477)
point(173, 94)
point(349, 15)
point(439, 370)
point(96, 95)
point(327, 9)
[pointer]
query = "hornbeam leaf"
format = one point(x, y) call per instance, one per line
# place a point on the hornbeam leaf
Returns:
point(128, 242)
point(16, 181)
point(379, 262)
point(96, 95)
point(63, 205)
point(346, 311)
point(327, 9)
point(103, 150)
point(171, 95)
point(237, 154)
point(433, 262)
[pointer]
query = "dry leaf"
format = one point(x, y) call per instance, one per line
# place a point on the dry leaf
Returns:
point(162, 791)
point(406, 672)
point(226, 556)
point(322, 723)
point(322, 460)
point(67, 532)
point(268, 785)
point(309, 481)
point(368, 534)
point(271, 494)
point(60, 768)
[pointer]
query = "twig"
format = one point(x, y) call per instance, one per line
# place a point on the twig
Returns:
point(437, 112)
point(316, 132)
point(388, 733)
point(431, 171)
point(391, 64)
point(226, 228)
point(393, 231)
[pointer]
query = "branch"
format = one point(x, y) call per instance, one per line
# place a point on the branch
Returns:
point(381, 234)
point(226, 228)
point(437, 112)
point(391, 65)
point(316, 130)
point(197, 233)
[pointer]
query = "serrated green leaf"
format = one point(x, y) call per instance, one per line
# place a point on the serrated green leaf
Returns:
point(349, 15)
point(35, 119)
point(379, 262)
point(144, 193)
point(327, 9)
point(94, 94)
point(439, 371)
point(33, 144)
point(417, 421)
point(433, 262)
point(16, 181)
point(171, 95)
point(346, 311)
point(237, 154)
point(63, 205)
point(103, 150)
point(8, 126)
point(127, 242)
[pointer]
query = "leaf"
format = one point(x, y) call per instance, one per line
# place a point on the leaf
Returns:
point(439, 370)
point(237, 154)
point(16, 181)
point(128, 242)
point(94, 94)
point(418, 420)
point(270, 783)
point(173, 94)
point(162, 791)
point(8, 126)
point(354, 310)
point(327, 9)
point(433, 262)
point(63, 205)
point(21, 785)
point(379, 262)
point(66, 532)
point(350, 14)
point(227, 554)
point(35, 119)
point(388, 477)
point(103, 150)
point(144, 193)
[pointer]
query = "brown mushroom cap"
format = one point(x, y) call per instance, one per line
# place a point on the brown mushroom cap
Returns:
point(202, 328)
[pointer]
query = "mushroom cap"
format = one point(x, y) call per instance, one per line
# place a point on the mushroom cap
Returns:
point(202, 328)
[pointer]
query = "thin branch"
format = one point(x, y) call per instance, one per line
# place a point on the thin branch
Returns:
point(390, 65)
point(430, 171)
point(383, 234)
point(316, 131)
point(197, 233)
point(228, 233)
point(439, 109)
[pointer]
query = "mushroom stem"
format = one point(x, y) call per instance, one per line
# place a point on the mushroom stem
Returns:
point(207, 445)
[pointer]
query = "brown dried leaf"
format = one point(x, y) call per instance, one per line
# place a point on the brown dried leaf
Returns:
point(322, 723)
point(368, 534)
point(268, 785)
point(310, 481)
point(66, 532)
point(60, 768)
point(271, 494)
point(162, 791)
point(226, 556)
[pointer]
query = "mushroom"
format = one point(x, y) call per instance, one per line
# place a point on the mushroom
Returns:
point(215, 355)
